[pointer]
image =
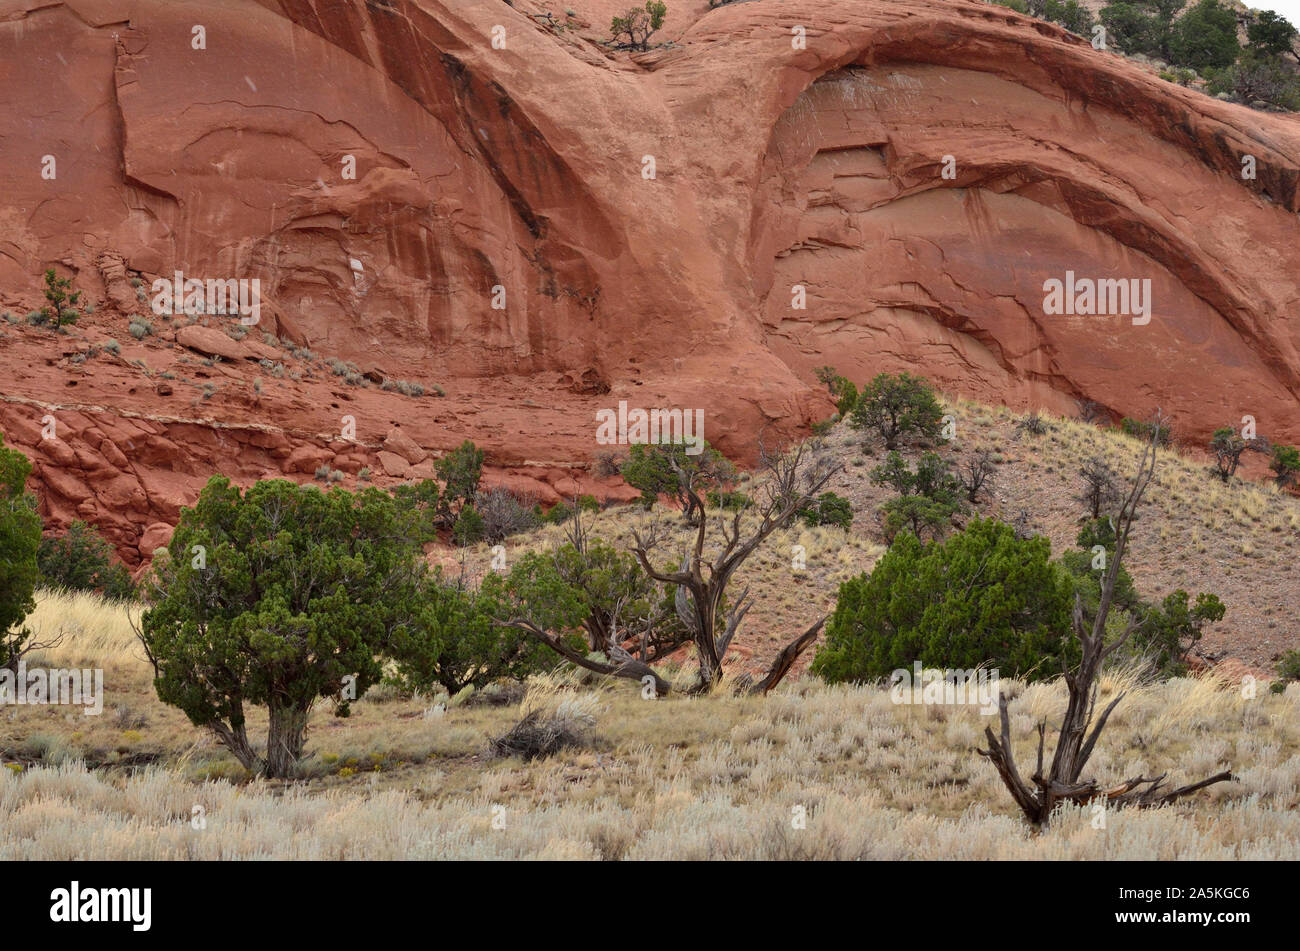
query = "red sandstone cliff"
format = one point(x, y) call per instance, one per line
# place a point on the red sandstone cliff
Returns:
point(522, 168)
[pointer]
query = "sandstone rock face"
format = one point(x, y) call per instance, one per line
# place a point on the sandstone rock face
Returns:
point(888, 189)
point(215, 343)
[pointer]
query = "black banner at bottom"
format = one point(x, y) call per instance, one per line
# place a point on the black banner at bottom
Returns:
point(302, 900)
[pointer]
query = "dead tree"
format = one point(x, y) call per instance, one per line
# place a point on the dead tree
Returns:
point(1079, 730)
point(620, 664)
point(623, 663)
point(632, 640)
point(975, 473)
point(15, 647)
point(793, 481)
point(1023, 526)
point(1100, 492)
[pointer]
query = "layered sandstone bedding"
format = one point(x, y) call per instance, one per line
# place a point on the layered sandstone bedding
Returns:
point(419, 203)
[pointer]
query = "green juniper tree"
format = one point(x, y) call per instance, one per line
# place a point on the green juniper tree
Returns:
point(983, 596)
point(1175, 627)
point(1141, 26)
point(1228, 447)
point(278, 596)
point(1070, 14)
point(1271, 34)
point(587, 584)
point(897, 407)
point(1257, 77)
point(20, 537)
point(80, 560)
point(638, 24)
point(1285, 464)
point(61, 302)
point(457, 641)
point(828, 509)
point(928, 497)
point(460, 470)
point(841, 389)
point(654, 469)
point(1205, 37)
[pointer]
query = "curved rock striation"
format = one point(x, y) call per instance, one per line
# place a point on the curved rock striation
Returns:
point(872, 185)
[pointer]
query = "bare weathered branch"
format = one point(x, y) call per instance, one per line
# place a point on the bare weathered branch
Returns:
point(1062, 782)
point(785, 660)
point(628, 667)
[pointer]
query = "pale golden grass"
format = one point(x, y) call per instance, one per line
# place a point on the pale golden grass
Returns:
point(1250, 505)
point(717, 777)
point(86, 630)
point(720, 776)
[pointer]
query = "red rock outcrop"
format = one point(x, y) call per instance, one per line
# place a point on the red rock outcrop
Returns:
point(915, 169)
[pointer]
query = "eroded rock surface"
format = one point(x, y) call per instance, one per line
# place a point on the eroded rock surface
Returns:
point(516, 177)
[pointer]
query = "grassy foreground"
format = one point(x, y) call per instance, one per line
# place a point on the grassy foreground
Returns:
point(810, 772)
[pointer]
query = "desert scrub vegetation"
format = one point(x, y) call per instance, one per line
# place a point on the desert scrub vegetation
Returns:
point(985, 597)
point(894, 408)
point(666, 469)
point(632, 30)
point(20, 538)
point(326, 473)
point(827, 509)
point(1194, 45)
point(405, 387)
point(349, 371)
point(701, 778)
point(81, 560)
point(455, 642)
point(695, 585)
point(712, 770)
point(1194, 529)
point(1082, 723)
point(61, 301)
point(537, 735)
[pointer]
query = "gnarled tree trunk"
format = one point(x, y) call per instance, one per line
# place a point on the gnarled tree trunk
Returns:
point(1079, 732)
point(284, 740)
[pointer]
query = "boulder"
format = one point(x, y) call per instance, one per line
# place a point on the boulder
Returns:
point(403, 445)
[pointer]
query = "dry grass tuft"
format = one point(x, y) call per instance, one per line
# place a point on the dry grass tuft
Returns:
point(810, 772)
